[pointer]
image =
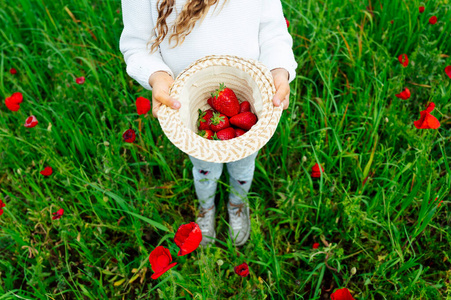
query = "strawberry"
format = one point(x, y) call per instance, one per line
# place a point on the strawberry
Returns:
point(225, 134)
point(239, 132)
point(245, 106)
point(208, 134)
point(210, 102)
point(204, 120)
point(225, 101)
point(219, 122)
point(244, 120)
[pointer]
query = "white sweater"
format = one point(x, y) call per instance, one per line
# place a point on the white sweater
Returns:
point(253, 29)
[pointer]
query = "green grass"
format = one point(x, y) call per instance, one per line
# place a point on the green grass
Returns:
point(383, 240)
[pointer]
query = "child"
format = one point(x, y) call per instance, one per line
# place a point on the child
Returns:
point(253, 29)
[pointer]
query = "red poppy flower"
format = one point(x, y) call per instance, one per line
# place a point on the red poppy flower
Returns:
point(188, 238)
point(13, 71)
point(58, 214)
point(31, 122)
point(392, 21)
point(80, 80)
point(427, 121)
point(13, 102)
point(404, 95)
point(129, 136)
point(316, 172)
point(47, 171)
point(160, 261)
point(341, 294)
point(142, 105)
point(288, 22)
point(242, 270)
point(315, 245)
point(1, 207)
point(448, 71)
point(403, 59)
point(433, 20)
point(421, 9)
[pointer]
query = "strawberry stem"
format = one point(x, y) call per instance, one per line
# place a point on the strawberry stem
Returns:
point(221, 88)
point(216, 118)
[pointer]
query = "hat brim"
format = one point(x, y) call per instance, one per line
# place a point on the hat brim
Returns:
point(249, 79)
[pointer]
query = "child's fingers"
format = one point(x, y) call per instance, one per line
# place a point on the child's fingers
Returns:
point(161, 97)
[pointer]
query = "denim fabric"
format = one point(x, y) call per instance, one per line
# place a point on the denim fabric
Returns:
point(206, 175)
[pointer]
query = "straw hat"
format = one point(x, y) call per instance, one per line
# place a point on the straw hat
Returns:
point(248, 78)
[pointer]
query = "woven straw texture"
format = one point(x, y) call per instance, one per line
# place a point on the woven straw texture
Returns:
point(249, 79)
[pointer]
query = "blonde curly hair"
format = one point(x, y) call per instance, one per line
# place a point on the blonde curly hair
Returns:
point(184, 23)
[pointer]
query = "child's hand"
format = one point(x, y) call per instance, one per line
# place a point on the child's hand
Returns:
point(282, 95)
point(161, 82)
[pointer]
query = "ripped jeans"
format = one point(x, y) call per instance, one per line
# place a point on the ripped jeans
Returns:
point(206, 174)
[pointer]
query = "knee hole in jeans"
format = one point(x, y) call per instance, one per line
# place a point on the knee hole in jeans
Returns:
point(203, 172)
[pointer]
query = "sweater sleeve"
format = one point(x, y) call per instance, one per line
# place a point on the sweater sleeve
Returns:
point(274, 39)
point(138, 25)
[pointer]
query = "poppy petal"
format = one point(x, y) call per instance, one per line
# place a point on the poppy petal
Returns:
point(142, 105)
point(421, 9)
point(404, 95)
point(242, 270)
point(403, 60)
point(431, 122)
point(341, 294)
point(13, 102)
point(430, 107)
point(80, 80)
point(47, 171)
point(158, 264)
point(188, 238)
point(31, 122)
point(129, 136)
point(156, 275)
point(433, 20)
point(448, 71)
point(419, 123)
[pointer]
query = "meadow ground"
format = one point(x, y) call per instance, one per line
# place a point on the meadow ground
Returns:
point(380, 232)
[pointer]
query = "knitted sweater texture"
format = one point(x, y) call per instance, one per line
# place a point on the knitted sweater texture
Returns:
point(253, 29)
